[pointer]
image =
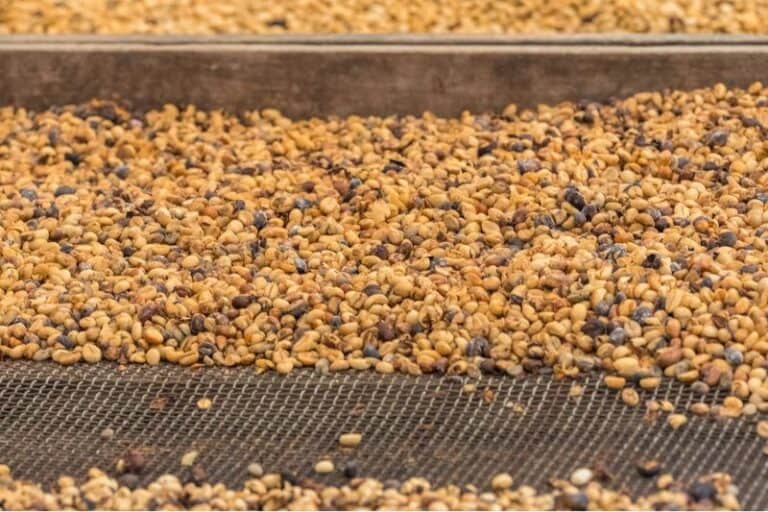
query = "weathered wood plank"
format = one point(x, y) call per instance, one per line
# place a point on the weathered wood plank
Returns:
point(327, 78)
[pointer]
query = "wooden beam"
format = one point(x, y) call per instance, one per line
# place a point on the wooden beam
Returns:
point(319, 76)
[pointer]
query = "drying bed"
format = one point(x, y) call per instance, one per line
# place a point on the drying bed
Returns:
point(367, 16)
point(628, 236)
point(664, 188)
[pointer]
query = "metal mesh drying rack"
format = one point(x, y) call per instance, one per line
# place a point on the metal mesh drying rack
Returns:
point(51, 417)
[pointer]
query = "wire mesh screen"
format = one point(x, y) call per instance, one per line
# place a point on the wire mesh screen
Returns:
point(51, 420)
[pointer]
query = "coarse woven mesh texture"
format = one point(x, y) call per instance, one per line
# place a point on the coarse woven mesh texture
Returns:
point(51, 418)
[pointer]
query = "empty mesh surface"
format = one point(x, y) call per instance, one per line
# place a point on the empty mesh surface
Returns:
point(51, 418)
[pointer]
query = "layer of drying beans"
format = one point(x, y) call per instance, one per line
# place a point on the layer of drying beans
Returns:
point(629, 237)
point(276, 491)
point(380, 16)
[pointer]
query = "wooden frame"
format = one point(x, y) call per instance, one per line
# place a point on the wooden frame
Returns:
point(340, 75)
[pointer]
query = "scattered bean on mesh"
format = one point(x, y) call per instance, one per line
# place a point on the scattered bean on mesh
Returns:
point(380, 16)
point(628, 237)
point(273, 492)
